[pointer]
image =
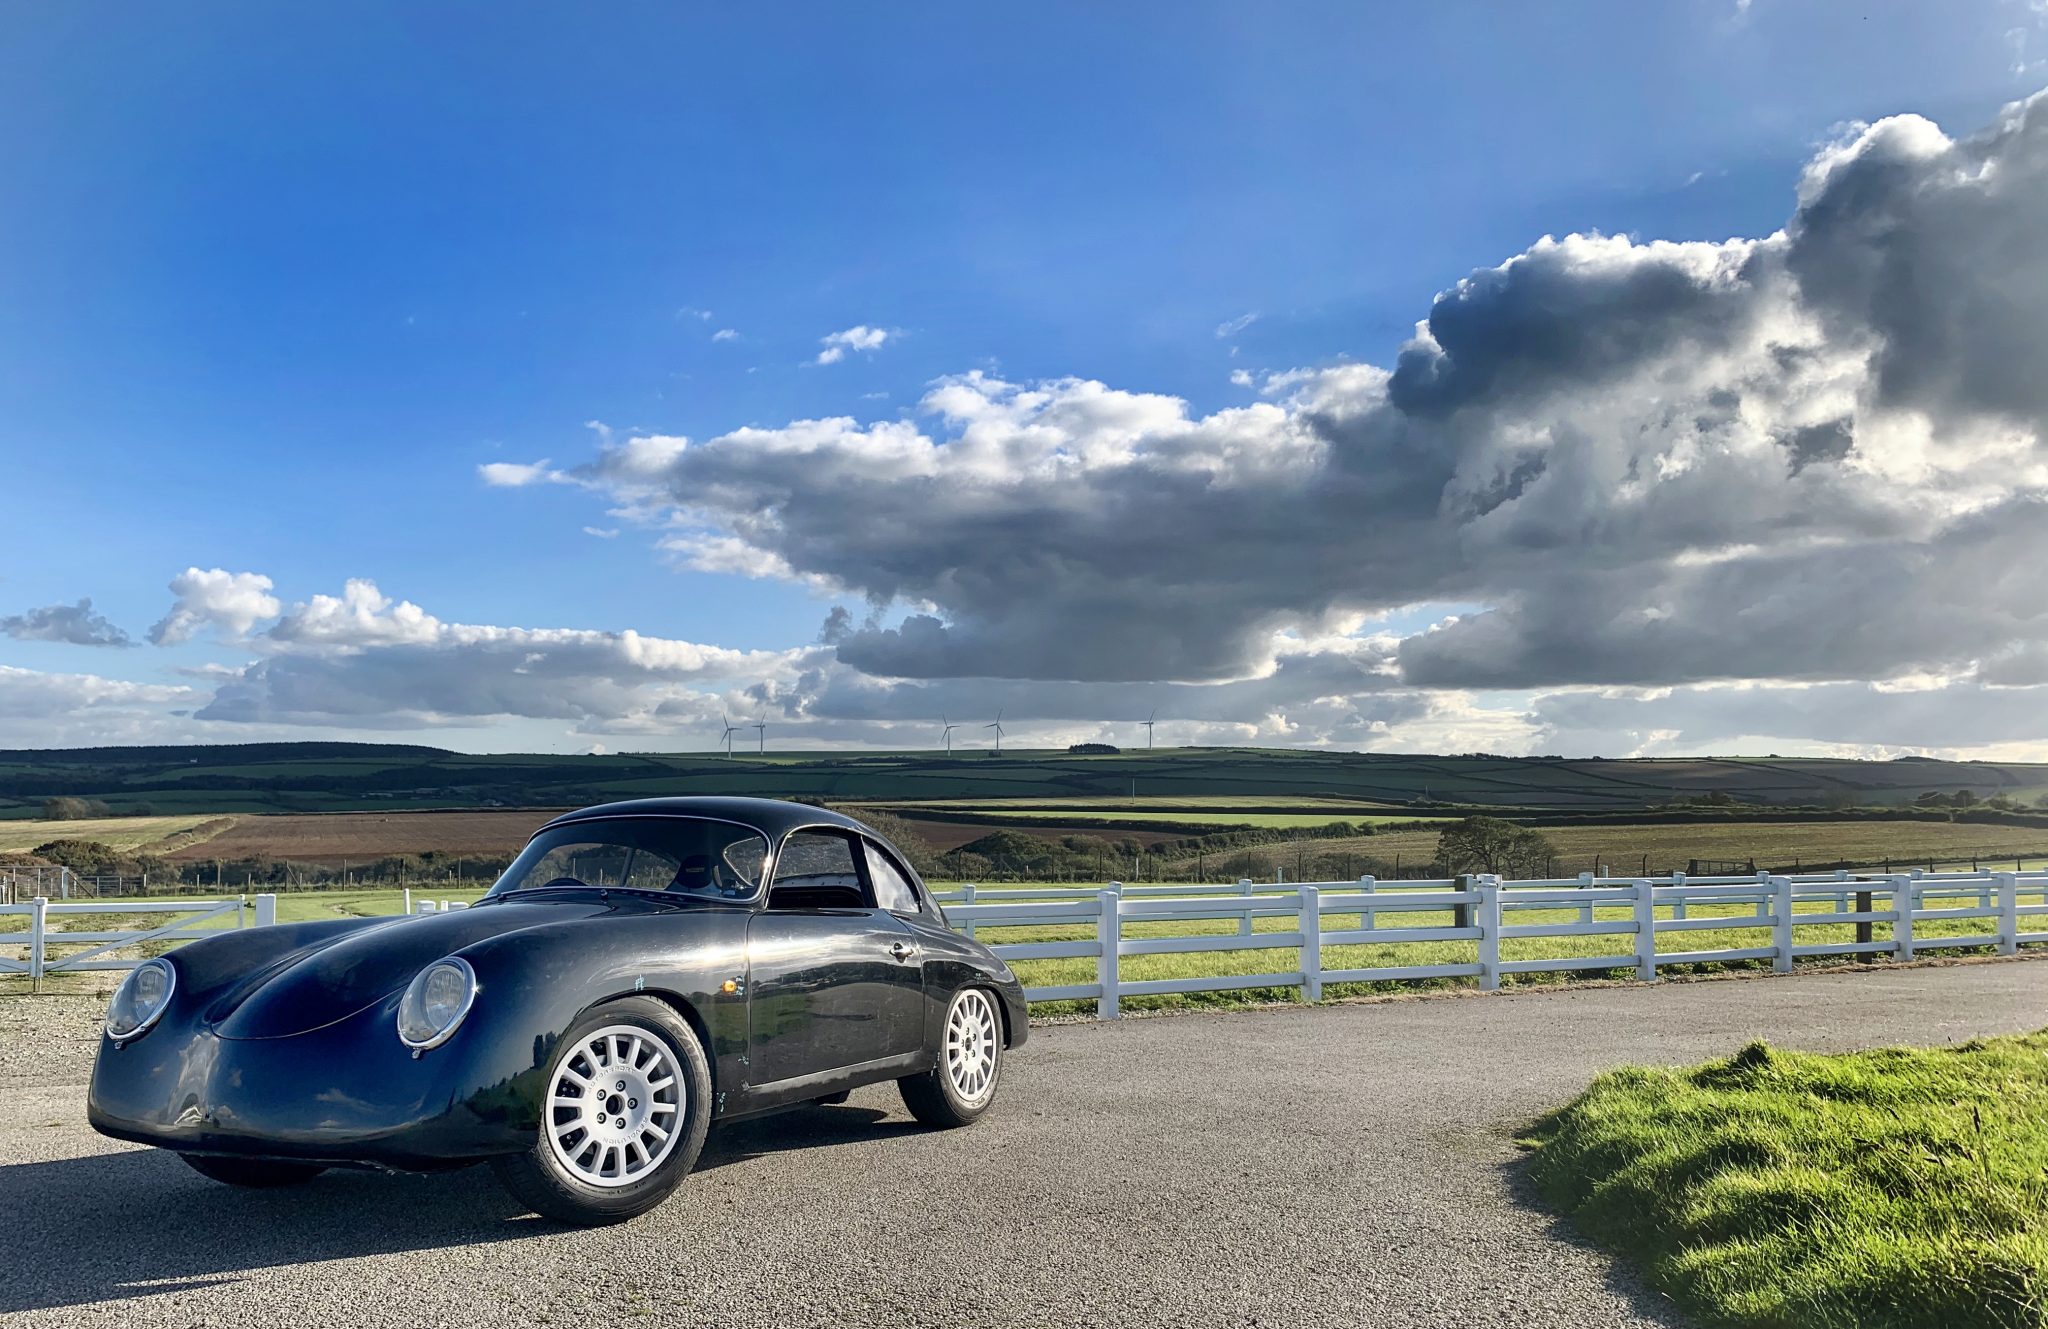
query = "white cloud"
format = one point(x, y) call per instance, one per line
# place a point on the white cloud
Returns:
point(602, 532)
point(516, 475)
point(229, 602)
point(860, 337)
point(1231, 327)
point(726, 334)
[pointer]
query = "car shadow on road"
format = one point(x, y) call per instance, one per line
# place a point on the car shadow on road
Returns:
point(138, 1223)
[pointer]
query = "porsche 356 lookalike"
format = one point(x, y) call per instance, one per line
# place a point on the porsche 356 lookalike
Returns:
point(641, 971)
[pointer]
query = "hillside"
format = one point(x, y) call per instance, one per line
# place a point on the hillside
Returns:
point(338, 777)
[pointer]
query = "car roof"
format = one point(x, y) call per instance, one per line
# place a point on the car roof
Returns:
point(773, 817)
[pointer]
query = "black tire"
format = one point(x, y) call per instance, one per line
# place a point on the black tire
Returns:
point(254, 1173)
point(833, 1100)
point(933, 1097)
point(539, 1179)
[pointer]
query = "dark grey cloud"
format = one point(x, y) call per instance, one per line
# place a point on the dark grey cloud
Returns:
point(79, 625)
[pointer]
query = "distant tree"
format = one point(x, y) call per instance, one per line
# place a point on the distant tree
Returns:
point(66, 808)
point(1720, 798)
point(1488, 844)
point(1962, 798)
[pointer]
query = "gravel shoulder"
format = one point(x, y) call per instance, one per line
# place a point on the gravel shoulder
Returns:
point(1342, 1165)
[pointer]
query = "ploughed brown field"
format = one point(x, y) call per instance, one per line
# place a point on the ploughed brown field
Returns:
point(340, 837)
point(945, 835)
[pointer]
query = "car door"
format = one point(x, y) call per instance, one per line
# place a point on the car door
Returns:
point(834, 982)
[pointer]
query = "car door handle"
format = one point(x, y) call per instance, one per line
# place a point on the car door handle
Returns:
point(902, 952)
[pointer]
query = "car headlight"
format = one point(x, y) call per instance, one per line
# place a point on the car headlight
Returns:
point(435, 1002)
point(141, 998)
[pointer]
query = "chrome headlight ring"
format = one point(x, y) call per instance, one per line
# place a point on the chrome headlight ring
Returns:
point(435, 1003)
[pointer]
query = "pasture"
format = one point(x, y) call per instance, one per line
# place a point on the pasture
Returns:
point(1667, 847)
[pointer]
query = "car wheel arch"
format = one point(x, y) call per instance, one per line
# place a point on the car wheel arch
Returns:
point(685, 1012)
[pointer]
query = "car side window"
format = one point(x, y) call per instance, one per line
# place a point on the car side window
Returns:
point(893, 890)
point(816, 870)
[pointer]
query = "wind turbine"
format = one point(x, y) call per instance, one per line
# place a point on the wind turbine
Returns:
point(1148, 722)
point(726, 737)
point(760, 728)
point(998, 727)
point(947, 733)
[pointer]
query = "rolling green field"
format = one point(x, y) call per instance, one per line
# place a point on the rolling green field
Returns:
point(1664, 848)
point(1896, 1189)
point(319, 777)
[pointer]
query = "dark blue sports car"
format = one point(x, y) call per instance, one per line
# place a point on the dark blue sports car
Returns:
point(641, 971)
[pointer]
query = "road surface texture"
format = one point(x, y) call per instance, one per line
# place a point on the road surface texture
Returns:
point(1344, 1165)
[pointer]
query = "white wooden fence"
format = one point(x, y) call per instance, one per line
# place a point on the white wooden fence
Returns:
point(187, 919)
point(1639, 910)
point(2003, 911)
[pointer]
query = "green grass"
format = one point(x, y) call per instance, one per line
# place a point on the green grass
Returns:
point(1896, 1189)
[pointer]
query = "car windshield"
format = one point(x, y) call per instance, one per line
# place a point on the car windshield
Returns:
point(719, 860)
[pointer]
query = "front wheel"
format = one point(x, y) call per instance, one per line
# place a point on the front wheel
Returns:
point(254, 1173)
point(627, 1103)
point(960, 1087)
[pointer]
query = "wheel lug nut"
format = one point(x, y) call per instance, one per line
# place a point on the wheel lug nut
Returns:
point(632, 1102)
point(622, 1084)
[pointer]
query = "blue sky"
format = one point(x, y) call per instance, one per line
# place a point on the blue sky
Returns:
point(275, 283)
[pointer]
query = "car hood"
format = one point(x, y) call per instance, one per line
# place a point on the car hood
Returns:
point(330, 980)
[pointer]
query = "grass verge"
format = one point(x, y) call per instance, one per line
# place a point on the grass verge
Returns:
point(1895, 1189)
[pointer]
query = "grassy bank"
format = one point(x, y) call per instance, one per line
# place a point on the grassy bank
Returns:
point(1897, 1189)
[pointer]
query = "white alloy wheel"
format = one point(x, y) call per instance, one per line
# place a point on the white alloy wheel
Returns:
point(616, 1106)
point(972, 1035)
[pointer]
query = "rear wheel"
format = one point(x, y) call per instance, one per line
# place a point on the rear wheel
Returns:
point(255, 1173)
point(627, 1102)
point(961, 1086)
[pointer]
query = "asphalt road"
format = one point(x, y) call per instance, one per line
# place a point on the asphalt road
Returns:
point(1334, 1166)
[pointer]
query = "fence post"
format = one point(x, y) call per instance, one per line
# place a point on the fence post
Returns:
point(1678, 901)
point(1763, 899)
point(266, 910)
point(1310, 911)
point(1904, 888)
point(1108, 932)
point(1646, 930)
point(37, 917)
point(1461, 914)
point(967, 897)
point(2008, 914)
point(408, 902)
point(1781, 923)
point(1244, 920)
point(1367, 885)
point(1489, 933)
point(1864, 905)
